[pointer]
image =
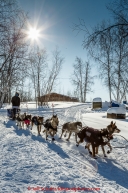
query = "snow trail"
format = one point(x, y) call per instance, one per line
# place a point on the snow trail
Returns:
point(28, 160)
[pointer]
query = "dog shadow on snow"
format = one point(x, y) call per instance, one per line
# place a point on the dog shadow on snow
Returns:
point(50, 144)
point(109, 169)
point(11, 124)
point(112, 171)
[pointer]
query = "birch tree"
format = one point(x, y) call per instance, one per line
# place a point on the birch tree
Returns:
point(38, 69)
point(12, 43)
point(56, 66)
point(101, 50)
point(108, 42)
point(82, 79)
point(120, 48)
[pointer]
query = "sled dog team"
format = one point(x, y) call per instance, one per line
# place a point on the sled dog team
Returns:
point(92, 137)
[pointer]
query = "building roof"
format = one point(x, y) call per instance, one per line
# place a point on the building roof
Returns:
point(53, 93)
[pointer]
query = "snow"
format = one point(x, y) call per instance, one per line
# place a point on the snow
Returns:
point(116, 110)
point(29, 163)
point(105, 104)
point(98, 99)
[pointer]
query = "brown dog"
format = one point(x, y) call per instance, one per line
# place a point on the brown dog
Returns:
point(70, 128)
point(51, 126)
point(95, 137)
point(96, 149)
point(38, 121)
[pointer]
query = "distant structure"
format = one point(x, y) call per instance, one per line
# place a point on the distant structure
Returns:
point(55, 97)
point(116, 113)
point(97, 103)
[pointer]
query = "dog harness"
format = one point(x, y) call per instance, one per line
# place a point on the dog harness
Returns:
point(36, 122)
point(27, 122)
point(48, 125)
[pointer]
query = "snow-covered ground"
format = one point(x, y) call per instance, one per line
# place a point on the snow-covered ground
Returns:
point(29, 163)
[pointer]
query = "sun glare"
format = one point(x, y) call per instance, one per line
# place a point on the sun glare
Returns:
point(33, 33)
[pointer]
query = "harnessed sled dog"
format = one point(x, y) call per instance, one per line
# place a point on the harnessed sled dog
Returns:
point(22, 119)
point(70, 128)
point(95, 137)
point(38, 121)
point(51, 126)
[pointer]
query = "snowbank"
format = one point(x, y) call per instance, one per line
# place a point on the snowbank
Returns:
point(116, 110)
point(105, 104)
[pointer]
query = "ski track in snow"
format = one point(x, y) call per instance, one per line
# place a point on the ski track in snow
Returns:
point(28, 160)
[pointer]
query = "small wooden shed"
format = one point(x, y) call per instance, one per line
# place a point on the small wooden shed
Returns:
point(97, 103)
point(116, 113)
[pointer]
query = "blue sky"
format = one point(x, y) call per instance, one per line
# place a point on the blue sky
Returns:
point(56, 18)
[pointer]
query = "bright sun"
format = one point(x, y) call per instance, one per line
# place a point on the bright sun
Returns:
point(33, 33)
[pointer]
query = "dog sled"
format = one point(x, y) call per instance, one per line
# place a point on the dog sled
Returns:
point(10, 113)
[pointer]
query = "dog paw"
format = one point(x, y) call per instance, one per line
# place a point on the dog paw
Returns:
point(90, 152)
point(53, 139)
point(67, 139)
point(77, 145)
point(108, 152)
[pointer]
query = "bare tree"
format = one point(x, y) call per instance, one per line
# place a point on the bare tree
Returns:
point(82, 79)
point(57, 61)
point(101, 50)
point(38, 69)
point(119, 12)
point(120, 48)
point(13, 45)
point(108, 45)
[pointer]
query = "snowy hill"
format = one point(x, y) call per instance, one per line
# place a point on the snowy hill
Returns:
point(29, 163)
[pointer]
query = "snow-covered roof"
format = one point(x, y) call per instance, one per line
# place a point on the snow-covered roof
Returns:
point(123, 105)
point(116, 110)
point(98, 99)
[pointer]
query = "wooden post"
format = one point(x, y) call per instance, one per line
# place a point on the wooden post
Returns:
point(53, 108)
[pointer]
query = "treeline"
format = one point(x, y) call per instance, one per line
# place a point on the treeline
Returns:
point(21, 68)
point(30, 71)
